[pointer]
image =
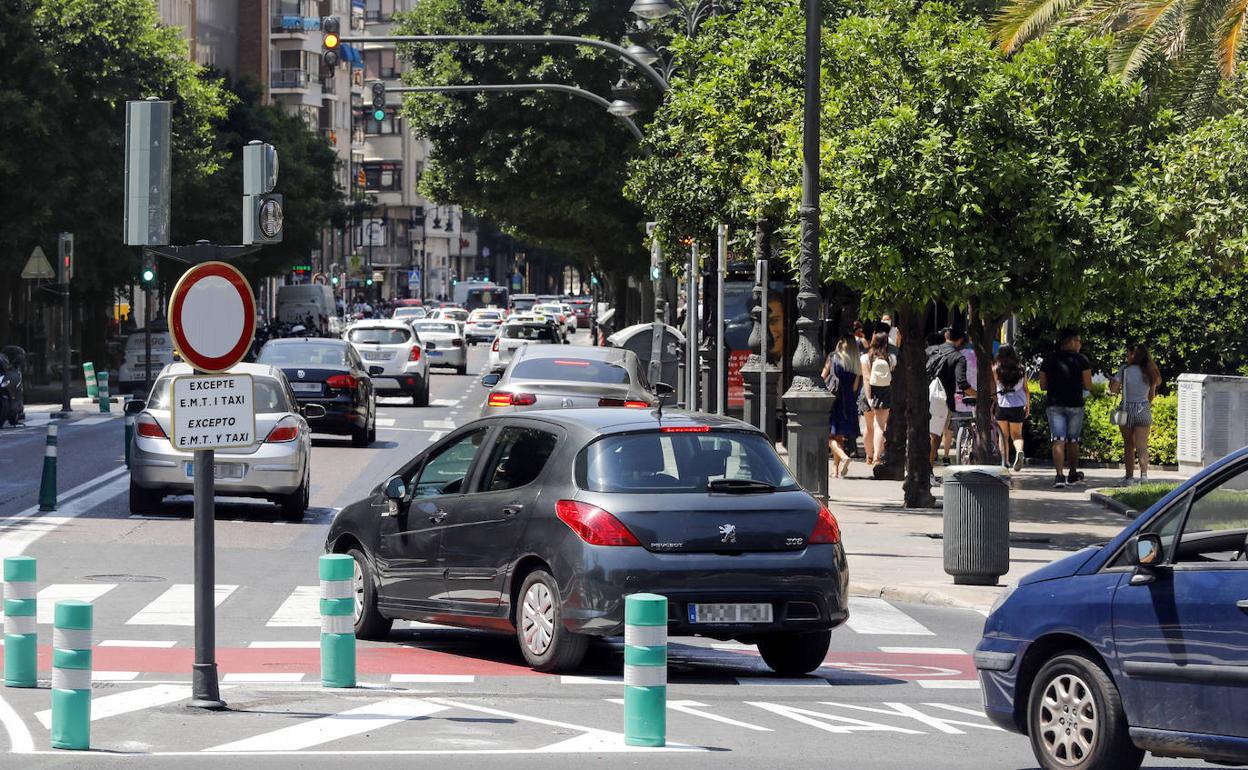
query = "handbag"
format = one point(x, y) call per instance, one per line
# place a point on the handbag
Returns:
point(1119, 416)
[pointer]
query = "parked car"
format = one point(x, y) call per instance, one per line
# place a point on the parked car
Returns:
point(394, 357)
point(517, 332)
point(1137, 645)
point(274, 468)
point(329, 373)
point(540, 523)
point(443, 341)
point(557, 377)
point(482, 325)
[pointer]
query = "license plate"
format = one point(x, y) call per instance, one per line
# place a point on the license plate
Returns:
point(376, 355)
point(219, 470)
point(729, 613)
point(306, 387)
point(435, 353)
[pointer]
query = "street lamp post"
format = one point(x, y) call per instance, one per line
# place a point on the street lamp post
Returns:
point(807, 400)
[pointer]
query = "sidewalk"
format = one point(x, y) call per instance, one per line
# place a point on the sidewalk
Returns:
point(897, 554)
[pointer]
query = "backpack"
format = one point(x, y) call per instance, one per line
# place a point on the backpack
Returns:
point(939, 360)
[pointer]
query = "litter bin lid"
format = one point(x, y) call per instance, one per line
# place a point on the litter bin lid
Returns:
point(994, 471)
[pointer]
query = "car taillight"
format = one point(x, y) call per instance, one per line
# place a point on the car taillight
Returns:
point(826, 528)
point(499, 399)
point(494, 347)
point(341, 382)
point(147, 427)
point(686, 429)
point(285, 430)
point(511, 399)
point(593, 525)
point(622, 402)
point(457, 343)
point(414, 355)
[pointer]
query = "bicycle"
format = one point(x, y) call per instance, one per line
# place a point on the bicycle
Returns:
point(966, 438)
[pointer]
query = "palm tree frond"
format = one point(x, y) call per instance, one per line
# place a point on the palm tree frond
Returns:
point(1155, 27)
point(1021, 20)
point(1230, 35)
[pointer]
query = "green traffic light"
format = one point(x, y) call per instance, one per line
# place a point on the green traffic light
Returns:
point(334, 280)
point(369, 282)
point(149, 275)
point(379, 115)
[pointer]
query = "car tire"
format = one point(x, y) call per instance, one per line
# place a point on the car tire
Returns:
point(369, 622)
point(546, 645)
point(462, 369)
point(795, 654)
point(372, 426)
point(295, 504)
point(145, 501)
point(359, 436)
point(1084, 692)
point(421, 396)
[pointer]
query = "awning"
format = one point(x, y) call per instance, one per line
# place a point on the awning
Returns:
point(352, 54)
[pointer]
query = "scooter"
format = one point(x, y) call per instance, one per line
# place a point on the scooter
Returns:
point(12, 359)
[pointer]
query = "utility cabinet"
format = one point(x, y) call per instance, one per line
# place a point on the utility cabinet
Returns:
point(1213, 418)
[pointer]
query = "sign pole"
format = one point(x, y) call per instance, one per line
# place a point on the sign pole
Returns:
point(67, 333)
point(205, 692)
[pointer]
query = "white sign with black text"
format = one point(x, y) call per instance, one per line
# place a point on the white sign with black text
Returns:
point(212, 412)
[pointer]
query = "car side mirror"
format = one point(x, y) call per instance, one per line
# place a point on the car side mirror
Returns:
point(491, 379)
point(134, 406)
point(376, 370)
point(1144, 552)
point(663, 389)
point(395, 488)
point(313, 411)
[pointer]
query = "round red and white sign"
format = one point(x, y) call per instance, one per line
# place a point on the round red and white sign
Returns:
point(212, 316)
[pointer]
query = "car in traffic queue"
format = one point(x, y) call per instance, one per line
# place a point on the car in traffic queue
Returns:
point(521, 303)
point(330, 373)
point(1138, 645)
point(409, 313)
point(581, 307)
point(518, 331)
point(275, 467)
point(395, 358)
point(564, 377)
point(566, 322)
point(540, 523)
point(132, 372)
point(457, 314)
point(443, 340)
point(482, 325)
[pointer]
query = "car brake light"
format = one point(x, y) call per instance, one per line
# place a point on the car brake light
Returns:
point(570, 362)
point(414, 355)
point(285, 430)
point(686, 429)
point(826, 528)
point(499, 399)
point(147, 427)
point(511, 399)
point(637, 404)
point(341, 382)
point(593, 525)
point(494, 347)
point(631, 404)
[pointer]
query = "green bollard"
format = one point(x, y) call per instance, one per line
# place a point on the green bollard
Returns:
point(21, 636)
point(47, 484)
point(106, 404)
point(337, 620)
point(71, 675)
point(645, 670)
point(129, 436)
point(88, 375)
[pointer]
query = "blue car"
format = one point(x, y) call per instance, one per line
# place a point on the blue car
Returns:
point(1137, 645)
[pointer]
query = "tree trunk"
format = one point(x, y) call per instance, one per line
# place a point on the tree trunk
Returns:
point(918, 468)
point(987, 453)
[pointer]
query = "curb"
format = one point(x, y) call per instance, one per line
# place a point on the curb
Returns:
point(1116, 506)
point(931, 597)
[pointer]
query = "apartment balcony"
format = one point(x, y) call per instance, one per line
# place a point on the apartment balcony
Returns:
point(289, 25)
point(290, 80)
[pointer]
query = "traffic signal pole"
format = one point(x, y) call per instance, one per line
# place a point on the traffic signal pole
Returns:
point(66, 330)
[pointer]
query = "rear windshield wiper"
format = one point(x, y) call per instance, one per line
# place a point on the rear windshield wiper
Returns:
point(739, 485)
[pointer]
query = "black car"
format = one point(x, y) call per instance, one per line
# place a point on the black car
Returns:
point(328, 372)
point(540, 523)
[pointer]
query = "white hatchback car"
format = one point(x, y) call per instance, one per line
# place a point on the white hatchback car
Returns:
point(482, 325)
point(394, 356)
point(444, 343)
point(515, 334)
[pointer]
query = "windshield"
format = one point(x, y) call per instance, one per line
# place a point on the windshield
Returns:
point(548, 309)
point(378, 336)
point(521, 304)
point(528, 332)
point(655, 462)
point(570, 370)
point(303, 354)
point(269, 394)
point(410, 312)
point(435, 327)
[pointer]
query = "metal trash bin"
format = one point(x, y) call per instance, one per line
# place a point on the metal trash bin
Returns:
point(640, 340)
point(977, 524)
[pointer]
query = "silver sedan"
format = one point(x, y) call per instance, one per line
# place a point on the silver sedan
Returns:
point(568, 376)
point(274, 468)
point(443, 339)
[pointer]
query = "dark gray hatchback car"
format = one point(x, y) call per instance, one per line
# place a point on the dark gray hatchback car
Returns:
point(540, 523)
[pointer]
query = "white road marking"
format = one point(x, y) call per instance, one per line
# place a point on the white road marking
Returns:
point(910, 712)
point(127, 702)
point(688, 707)
point(444, 402)
point(385, 422)
point(435, 436)
point(20, 740)
point(427, 626)
point(264, 676)
point(137, 643)
point(439, 424)
point(432, 678)
point(83, 592)
point(876, 616)
point(19, 531)
point(92, 421)
point(114, 676)
point(830, 722)
point(771, 681)
point(301, 609)
point(284, 645)
point(949, 684)
point(356, 721)
point(734, 647)
point(176, 606)
point(922, 650)
point(591, 679)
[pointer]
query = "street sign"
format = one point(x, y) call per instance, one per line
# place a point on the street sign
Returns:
point(212, 412)
point(212, 317)
point(38, 267)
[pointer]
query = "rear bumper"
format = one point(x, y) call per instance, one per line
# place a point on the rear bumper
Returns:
point(407, 382)
point(807, 589)
point(274, 469)
point(341, 415)
point(455, 357)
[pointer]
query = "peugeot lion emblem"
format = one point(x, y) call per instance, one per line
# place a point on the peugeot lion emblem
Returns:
point(567, 403)
point(300, 374)
point(728, 533)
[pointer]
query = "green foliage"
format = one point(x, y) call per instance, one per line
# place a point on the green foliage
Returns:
point(1102, 440)
point(1142, 496)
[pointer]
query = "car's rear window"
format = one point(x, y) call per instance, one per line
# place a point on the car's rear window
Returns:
point(528, 332)
point(655, 462)
point(570, 370)
point(269, 394)
point(409, 312)
point(303, 354)
point(379, 336)
point(485, 315)
point(436, 328)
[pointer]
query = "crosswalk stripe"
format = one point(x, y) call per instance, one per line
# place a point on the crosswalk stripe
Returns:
point(356, 721)
point(126, 702)
point(91, 421)
point(302, 645)
point(432, 679)
point(922, 650)
point(949, 684)
point(176, 606)
point(156, 644)
point(56, 592)
point(771, 681)
point(876, 616)
point(570, 679)
point(114, 676)
point(385, 422)
point(266, 676)
point(301, 609)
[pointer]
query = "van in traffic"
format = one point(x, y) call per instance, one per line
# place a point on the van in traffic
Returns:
point(296, 303)
point(132, 374)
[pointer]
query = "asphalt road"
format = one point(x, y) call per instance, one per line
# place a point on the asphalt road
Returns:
point(897, 691)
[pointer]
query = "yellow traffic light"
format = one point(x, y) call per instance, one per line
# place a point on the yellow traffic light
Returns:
point(330, 41)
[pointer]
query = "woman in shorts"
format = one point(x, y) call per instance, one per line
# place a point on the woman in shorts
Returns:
point(1013, 403)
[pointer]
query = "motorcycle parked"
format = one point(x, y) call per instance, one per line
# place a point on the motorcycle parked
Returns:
point(12, 399)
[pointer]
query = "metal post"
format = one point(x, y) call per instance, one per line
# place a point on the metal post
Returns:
point(205, 693)
point(721, 363)
point(691, 326)
point(147, 342)
point(655, 372)
point(67, 333)
point(764, 346)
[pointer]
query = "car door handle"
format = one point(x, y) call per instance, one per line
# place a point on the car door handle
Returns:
point(1242, 604)
point(513, 509)
point(437, 516)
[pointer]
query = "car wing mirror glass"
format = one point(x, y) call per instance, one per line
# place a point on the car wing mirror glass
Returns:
point(395, 488)
point(134, 406)
point(663, 389)
point(491, 379)
point(1145, 553)
point(313, 411)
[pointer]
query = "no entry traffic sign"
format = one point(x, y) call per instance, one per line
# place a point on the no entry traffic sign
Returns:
point(212, 316)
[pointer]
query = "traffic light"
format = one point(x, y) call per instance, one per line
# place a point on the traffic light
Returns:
point(378, 89)
point(65, 257)
point(368, 282)
point(334, 280)
point(330, 42)
point(147, 276)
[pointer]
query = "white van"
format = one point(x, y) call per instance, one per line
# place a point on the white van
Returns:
point(296, 303)
point(132, 372)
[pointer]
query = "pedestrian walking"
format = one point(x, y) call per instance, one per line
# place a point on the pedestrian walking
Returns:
point(1013, 403)
point(841, 373)
point(947, 378)
point(1137, 382)
point(1066, 376)
point(877, 377)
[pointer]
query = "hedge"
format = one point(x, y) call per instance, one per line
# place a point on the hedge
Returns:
point(1102, 440)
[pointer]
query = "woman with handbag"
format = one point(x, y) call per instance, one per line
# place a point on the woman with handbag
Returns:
point(840, 372)
point(1136, 382)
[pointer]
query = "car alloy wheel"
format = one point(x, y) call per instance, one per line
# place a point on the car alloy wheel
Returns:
point(1068, 720)
point(357, 583)
point(538, 619)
